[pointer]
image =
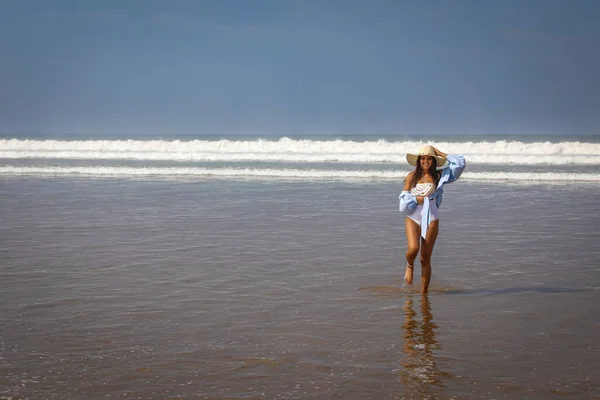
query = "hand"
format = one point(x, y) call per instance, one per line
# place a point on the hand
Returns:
point(439, 153)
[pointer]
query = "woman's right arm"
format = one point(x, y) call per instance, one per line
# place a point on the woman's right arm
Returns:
point(408, 201)
point(408, 181)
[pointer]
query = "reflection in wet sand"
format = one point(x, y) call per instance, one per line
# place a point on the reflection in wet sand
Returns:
point(420, 374)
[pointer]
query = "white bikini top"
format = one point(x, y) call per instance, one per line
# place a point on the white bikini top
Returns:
point(423, 189)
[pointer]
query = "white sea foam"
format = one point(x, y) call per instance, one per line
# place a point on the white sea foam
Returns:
point(262, 173)
point(292, 150)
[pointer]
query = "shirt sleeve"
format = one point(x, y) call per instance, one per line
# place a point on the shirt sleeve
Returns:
point(408, 202)
point(454, 169)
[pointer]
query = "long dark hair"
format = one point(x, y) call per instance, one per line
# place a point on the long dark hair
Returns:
point(418, 174)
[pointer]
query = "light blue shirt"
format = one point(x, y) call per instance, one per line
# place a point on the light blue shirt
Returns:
point(450, 173)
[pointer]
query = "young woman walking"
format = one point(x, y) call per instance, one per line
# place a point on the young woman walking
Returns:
point(420, 201)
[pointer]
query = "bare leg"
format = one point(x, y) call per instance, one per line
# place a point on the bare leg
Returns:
point(426, 251)
point(413, 232)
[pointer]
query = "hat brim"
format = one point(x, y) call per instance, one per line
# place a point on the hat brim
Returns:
point(413, 158)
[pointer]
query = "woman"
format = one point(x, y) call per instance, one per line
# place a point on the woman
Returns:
point(420, 200)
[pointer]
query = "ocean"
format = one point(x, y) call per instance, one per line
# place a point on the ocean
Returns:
point(549, 159)
point(248, 267)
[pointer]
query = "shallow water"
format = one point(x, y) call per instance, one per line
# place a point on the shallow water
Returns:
point(223, 289)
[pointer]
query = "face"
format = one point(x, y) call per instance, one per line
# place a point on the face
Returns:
point(426, 162)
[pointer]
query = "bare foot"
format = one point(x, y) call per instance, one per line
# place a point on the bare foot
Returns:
point(408, 275)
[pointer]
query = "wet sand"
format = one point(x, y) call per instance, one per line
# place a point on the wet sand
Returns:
point(293, 290)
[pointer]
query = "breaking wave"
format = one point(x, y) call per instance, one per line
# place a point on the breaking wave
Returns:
point(268, 173)
point(296, 150)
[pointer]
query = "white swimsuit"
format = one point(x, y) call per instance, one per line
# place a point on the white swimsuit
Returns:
point(423, 189)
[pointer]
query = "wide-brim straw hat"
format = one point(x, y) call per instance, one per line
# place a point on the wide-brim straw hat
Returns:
point(425, 151)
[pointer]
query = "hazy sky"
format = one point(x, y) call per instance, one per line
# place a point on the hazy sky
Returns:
point(299, 66)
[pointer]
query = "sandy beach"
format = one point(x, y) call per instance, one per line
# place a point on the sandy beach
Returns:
point(236, 289)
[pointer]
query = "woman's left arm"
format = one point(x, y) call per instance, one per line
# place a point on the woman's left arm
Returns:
point(439, 152)
point(454, 169)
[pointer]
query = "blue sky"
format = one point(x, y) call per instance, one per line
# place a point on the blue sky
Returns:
point(299, 66)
